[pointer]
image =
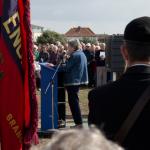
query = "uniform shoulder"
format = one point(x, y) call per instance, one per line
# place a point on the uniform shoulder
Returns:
point(105, 89)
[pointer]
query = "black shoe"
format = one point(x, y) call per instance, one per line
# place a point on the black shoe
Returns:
point(77, 126)
point(61, 124)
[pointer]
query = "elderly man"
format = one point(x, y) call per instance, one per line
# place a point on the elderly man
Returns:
point(74, 76)
point(110, 104)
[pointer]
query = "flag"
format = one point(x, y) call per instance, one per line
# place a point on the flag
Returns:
point(18, 104)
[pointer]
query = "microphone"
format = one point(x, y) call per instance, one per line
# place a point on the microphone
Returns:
point(63, 56)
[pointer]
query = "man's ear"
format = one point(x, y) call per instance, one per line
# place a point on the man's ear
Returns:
point(124, 53)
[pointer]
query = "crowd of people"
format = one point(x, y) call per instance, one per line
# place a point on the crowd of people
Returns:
point(81, 63)
point(58, 52)
point(111, 105)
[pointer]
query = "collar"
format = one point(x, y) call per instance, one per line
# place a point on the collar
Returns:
point(138, 69)
point(148, 65)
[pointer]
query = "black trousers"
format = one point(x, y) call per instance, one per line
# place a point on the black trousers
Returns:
point(73, 100)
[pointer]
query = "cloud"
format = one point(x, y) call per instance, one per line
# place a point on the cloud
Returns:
point(102, 15)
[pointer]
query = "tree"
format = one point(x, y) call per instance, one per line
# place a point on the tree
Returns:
point(88, 40)
point(50, 37)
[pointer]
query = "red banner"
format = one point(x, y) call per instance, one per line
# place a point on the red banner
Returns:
point(18, 105)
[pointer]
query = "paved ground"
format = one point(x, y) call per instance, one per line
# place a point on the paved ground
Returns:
point(45, 137)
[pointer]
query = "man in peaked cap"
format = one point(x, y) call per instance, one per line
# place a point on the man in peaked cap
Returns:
point(110, 104)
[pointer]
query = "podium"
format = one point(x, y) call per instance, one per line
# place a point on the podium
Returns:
point(52, 101)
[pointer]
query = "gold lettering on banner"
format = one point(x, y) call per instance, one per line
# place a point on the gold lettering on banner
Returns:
point(15, 129)
point(12, 122)
point(9, 117)
point(14, 126)
point(19, 134)
point(11, 20)
point(14, 32)
point(18, 51)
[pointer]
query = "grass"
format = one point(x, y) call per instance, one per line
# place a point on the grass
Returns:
point(83, 96)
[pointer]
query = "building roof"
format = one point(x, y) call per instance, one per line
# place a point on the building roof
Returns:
point(37, 27)
point(80, 32)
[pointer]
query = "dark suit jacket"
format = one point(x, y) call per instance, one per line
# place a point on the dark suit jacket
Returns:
point(110, 104)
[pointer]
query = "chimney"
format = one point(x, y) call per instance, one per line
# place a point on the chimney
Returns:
point(78, 29)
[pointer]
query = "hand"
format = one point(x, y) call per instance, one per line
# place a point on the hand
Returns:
point(50, 65)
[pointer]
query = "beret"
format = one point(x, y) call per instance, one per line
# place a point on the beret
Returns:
point(138, 30)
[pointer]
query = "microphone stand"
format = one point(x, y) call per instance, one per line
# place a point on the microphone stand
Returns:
point(51, 83)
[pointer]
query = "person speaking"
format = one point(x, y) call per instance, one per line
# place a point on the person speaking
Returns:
point(75, 75)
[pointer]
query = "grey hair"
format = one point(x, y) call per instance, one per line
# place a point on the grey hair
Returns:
point(81, 139)
point(75, 44)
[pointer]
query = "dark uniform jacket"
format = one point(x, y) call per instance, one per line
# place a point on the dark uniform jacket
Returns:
point(110, 104)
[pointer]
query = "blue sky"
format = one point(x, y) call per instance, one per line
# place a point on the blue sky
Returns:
point(102, 16)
